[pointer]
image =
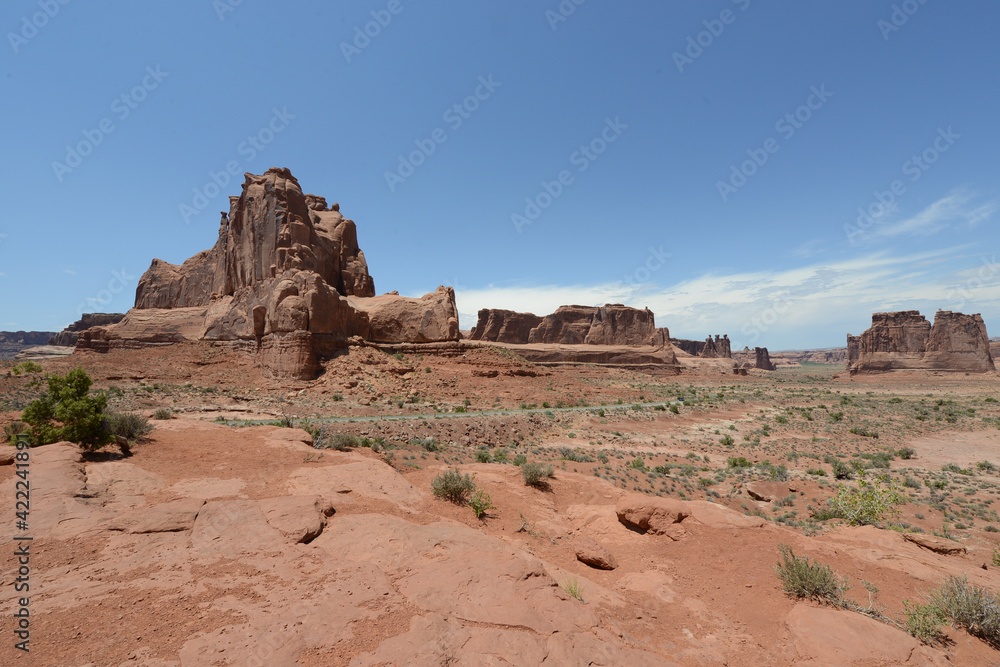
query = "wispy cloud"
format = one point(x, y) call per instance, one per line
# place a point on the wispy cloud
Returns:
point(955, 208)
point(69, 271)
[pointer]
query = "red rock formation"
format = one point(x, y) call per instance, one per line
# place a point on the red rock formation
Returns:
point(285, 273)
point(757, 358)
point(719, 348)
point(906, 340)
point(612, 324)
point(504, 326)
point(67, 337)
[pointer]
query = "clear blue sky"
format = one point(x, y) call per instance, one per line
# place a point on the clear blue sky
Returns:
point(652, 214)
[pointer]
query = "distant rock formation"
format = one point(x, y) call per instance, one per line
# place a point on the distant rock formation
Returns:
point(12, 342)
point(286, 274)
point(834, 355)
point(67, 337)
point(906, 340)
point(757, 358)
point(504, 326)
point(611, 324)
point(719, 348)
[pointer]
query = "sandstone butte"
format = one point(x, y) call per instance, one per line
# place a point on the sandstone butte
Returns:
point(285, 280)
point(906, 340)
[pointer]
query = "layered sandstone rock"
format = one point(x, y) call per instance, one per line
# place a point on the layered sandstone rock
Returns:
point(504, 326)
point(286, 274)
point(67, 337)
point(906, 340)
point(611, 324)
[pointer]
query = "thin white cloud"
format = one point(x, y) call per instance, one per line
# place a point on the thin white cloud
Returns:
point(942, 214)
point(69, 271)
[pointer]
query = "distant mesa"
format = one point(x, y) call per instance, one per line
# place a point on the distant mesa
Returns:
point(906, 340)
point(12, 342)
point(67, 337)
point(285, 279)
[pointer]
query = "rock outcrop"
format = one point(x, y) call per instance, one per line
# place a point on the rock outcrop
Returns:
point(757, 358)
point(611, 324)
point(906, 340)
point(286, 274)
point(504, 326)
point(719, 348)
point(67, 337)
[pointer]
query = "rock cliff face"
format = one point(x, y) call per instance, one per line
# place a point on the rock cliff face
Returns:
point(906, 340)
point(719, 348)
point(286, 273)
point(12, 342)
point(504, 326)
point(67, 337)
point(612, 324)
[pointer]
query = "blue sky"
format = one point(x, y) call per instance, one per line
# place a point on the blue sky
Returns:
point(698, 158)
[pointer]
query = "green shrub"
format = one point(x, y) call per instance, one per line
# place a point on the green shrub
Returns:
point(637, 464)
point(970, 607)
point(924, 621)
point(483, 455)
point(906, 453)
point(819, 472)
point(726, 441)
point(454, 486)
point(536, 474)
point(841, 470)
point(869, 503)
point(338, 441)
point(807, 579)
point(674, 409)
point(80, 416)
point(480, 502)
point(738, 462)
point(129, 425)
point(520, 460)
point(163, 413)
point(12, 430)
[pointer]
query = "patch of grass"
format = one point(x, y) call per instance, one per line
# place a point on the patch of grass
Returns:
point(338, 441)
point(11, 430)
point(163, 413)
point(924, 622)
point(869, 503)
point(454, 486)
point(572, 586)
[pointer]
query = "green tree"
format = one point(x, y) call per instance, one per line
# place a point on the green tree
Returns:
point(68, 412)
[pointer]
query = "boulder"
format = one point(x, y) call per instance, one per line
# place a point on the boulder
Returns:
point(593, 554)
point(936, 544)
point(906, 340)
point(652, 514)
point(396, 319)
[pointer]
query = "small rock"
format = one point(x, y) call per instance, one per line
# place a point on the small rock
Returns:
point(593, 554)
